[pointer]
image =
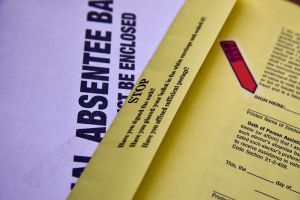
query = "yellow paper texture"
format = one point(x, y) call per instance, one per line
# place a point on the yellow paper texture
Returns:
point(225, 142)
point(120, 163)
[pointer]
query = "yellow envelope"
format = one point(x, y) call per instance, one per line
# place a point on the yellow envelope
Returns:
point(236, 134)
point(226, 142)
point(121, 161)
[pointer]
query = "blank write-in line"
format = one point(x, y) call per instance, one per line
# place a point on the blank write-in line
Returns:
point(223, 195)
point(291, 111)
point(266, 194)
point(294, 191)
point(260, 177)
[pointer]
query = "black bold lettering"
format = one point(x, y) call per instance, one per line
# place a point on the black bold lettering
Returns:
point(127, 58)
point(93, 134)
point(97, 35)
point(127, 29)
point(93, 88)
point(76, 172)
point(126, 77)
point(125, 85)
point(95, 73)
point(128, 16)
point(99, 17)
point(95, 118)
point(86, 103)
point(127, 66)
point(103, 5)
point(128, 50)
point(96, 47)
point(82, 159)
point(87, 58)
point(126, 36)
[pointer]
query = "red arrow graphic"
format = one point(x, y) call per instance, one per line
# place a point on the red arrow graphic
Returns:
point(239, 65)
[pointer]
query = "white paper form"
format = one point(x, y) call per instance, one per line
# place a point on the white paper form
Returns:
point(65, 69)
